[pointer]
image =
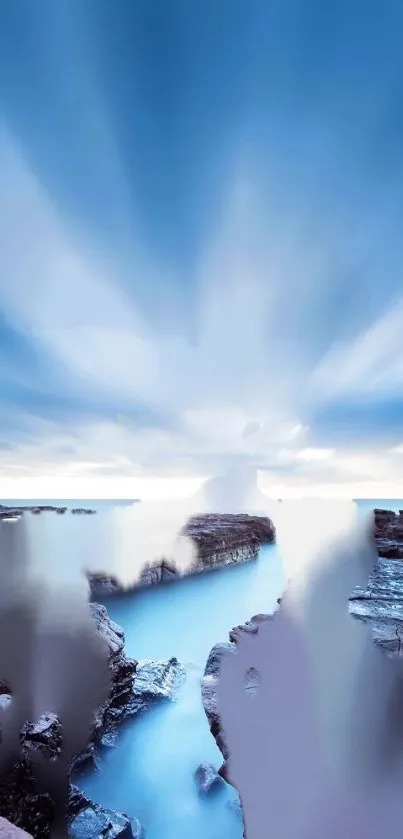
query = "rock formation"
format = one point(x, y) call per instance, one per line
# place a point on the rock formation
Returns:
point(209, 685)
point(388, 531)
point(135, 686)
point(207, 779)
point(220, 540)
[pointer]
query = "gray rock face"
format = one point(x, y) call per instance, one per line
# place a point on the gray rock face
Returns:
point(228, 539)
point(207, 778)
point(210, 681)
point(381, 604)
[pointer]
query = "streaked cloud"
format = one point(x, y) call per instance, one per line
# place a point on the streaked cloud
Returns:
point(213, 282)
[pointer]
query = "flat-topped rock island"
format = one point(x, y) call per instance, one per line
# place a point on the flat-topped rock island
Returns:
point(220, 539)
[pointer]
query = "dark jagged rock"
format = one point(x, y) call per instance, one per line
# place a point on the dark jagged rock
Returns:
point(135, 687)
point(21, 803)
point(7, 512)
point(388, 532)
point(158, 572)
point(103, 584)
point(210, 681)
point(220, 540)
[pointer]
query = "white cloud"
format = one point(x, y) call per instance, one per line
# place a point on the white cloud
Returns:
point(370, 363)
point(239, 388)
point(314, 455)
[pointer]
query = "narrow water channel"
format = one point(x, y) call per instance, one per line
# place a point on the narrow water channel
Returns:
point(150, 772)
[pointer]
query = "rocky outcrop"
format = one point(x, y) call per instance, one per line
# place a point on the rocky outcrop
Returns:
point(210, 681)
point(7, 512)
point(158, 572)
point(220, 540)
point(388, 531)
point(135, 687)
point(228, 539)
point(381, 604)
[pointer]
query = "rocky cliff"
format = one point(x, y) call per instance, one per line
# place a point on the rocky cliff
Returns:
point(220, 540)
point(135, 686)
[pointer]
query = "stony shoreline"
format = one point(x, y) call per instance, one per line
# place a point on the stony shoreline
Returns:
point(135, 687)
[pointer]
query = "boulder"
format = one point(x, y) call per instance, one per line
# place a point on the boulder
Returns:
point(207, 778)
point(96, 822)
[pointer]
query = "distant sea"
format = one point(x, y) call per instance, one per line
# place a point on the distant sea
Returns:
point(92, 503)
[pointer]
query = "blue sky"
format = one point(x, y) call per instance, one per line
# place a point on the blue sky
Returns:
point(201, 259)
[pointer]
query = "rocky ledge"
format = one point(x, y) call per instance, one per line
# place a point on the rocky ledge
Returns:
point(381, 603)
point(220, 540)
point(135, 686)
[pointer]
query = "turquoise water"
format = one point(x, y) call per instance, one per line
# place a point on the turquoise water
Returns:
point(149, 773)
